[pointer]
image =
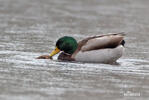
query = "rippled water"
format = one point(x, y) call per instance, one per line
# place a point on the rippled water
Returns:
point(29, 28)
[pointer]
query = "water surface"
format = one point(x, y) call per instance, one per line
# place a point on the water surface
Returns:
point(29, 28)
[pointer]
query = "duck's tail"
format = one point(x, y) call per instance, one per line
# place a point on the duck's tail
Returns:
point(123, 43)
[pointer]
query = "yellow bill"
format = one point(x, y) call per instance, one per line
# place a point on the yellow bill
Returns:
point(54, 52)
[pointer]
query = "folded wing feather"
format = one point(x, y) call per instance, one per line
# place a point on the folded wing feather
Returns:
point(100, 42)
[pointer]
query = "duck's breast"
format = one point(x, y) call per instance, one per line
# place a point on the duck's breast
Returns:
point(108, 55)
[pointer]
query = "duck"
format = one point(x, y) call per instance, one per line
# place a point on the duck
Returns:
point(105, 48)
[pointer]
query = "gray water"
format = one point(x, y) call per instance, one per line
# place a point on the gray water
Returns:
point(29, 28)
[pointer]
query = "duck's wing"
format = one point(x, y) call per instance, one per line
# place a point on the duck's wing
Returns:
point(111, 40)
point(104, 41)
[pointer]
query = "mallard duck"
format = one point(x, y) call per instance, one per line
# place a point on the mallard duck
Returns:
point(105, 48)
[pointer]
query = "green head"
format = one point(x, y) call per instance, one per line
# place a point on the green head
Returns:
point(66, 44)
